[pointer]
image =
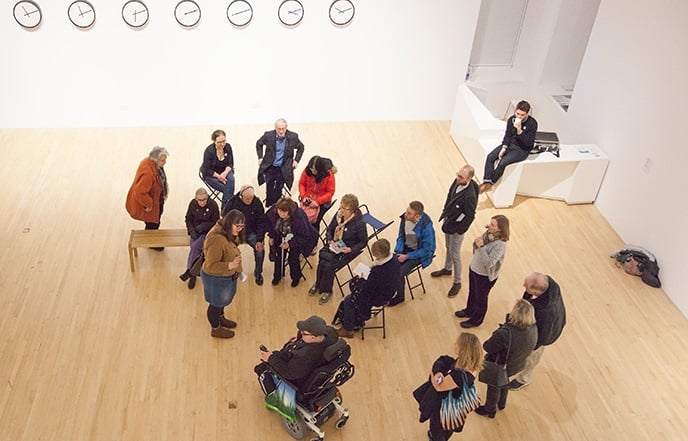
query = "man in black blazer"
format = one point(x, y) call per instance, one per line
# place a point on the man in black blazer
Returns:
point(458, 214)
point(276, 166)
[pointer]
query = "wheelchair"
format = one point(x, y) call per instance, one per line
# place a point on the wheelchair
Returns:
point(319, 399)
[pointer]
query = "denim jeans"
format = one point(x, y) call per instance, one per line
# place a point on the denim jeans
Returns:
point(251, 239)
point(226, 189)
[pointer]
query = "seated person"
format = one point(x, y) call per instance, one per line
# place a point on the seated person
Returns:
point(518, 141)
point(218, 165)
point(375, 290)
point(317, 186)
point(201, 216)
point(415, 245)
point(346, 237)
point(300, 356)
point(290, 237)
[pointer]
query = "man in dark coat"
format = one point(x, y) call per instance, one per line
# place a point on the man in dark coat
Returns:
point(550, 317)
point(458, 214)
point(276, 159)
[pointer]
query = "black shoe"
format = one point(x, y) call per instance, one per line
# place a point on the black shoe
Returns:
point(482, 410)
point(259, 279)
point(501, 405)
point(454, 290)
point(429, 435)
point(440, 273)
point(158, 248)
point(295, 283)
point(276, 280)
point(395, 301)
point(313, 291)
point(192, 282)
point(468, 324)
point(462, 313)
point(185, 276)
point(516, 385)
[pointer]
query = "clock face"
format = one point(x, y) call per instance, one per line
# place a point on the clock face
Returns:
point(81, 14)
point(239, 13)
point(342, 12)
point(187, 13)
point(28, 14)
point(290, 12)
point(135, 13)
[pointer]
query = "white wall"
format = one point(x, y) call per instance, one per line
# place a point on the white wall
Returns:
point(395, 61)
point(631, 99)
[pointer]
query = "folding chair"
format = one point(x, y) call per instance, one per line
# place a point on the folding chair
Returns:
point(377, 225)
point(375, 311)
point(323, 222)
point(215, 194)
point(417, 269)
point(340, 284)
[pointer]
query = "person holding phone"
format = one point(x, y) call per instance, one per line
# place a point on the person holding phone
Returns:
point(518, 141)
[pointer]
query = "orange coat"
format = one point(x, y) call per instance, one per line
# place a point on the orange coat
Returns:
point(145, 193)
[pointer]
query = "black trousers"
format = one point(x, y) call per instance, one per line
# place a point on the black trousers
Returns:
point(274, 181)
point(512, 155)
point(478, 289)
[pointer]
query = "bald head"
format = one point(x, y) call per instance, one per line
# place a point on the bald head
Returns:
point(465, 174)
point(536, 284)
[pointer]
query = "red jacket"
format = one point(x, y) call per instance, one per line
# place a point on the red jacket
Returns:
point(145, 193)
point(321, 192)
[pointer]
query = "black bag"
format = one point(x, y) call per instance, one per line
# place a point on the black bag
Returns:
point(195, 269)
point(493, 373)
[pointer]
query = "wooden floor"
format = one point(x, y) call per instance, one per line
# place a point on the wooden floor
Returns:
point(91, 351)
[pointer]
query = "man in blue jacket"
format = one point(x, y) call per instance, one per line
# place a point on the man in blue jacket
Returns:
point(415, 244)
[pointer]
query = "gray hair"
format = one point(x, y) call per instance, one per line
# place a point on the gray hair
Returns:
point(281, 120)
point(157, 152)
point(201, 191)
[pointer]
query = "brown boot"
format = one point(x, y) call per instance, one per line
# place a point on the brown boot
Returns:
point(344, 333)
point(221, 332)
point(227, 323)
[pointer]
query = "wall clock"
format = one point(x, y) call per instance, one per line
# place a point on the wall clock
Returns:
point(81, 14)
point(28, 14)
point(135, 13)
point(290, 12)
point(187, 13)
point(239, 13)
point(342, 12)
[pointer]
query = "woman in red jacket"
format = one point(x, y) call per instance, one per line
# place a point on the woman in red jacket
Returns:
point(316, 186)
point(149, 190)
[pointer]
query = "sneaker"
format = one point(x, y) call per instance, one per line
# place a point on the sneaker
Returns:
point(482, 410)
point(516, 385)
point(222, 332)
point(313, 290)
point(227, 323)
point(440, 273)
point(324, 298)
point(192, 282)
point(454, 290)
point(259, 279)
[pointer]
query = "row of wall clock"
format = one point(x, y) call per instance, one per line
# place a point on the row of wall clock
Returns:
point(135, 13)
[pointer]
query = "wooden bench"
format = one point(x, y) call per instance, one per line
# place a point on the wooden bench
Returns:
point(155, 238)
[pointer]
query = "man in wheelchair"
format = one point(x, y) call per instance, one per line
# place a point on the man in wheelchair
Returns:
point(304, 375)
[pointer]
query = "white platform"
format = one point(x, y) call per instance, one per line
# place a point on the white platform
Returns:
point(575, 177)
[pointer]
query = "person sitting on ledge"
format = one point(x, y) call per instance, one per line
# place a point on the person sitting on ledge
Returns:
point(518, 141)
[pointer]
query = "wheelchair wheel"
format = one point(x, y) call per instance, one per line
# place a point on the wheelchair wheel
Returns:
point(341, 422)
point(296, 429)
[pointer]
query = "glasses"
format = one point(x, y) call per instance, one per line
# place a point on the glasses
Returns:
point(305, 333)
point(239, 226)
point(202, 200)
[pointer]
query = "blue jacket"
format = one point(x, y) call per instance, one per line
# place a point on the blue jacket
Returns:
point(426, 240)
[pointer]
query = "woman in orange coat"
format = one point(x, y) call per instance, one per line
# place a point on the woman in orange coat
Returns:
point(149, 190)
point(317, 185)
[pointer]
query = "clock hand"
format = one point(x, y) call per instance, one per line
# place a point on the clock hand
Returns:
point(338, 10)
point(348, 9)
point(240, 12)
point(82, 13)
point(295, 11)
point(191, 12)
point(28, 14)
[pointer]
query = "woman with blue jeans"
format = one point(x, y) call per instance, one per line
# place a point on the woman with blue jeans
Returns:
point(221, 270)
point(218, 165)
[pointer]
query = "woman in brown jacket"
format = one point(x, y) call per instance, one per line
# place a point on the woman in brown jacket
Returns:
point(221, 270)
point(148, 192)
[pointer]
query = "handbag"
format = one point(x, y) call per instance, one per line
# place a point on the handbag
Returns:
point(312, 211)
point(493, 373)
point(195, 269)
point(454, 410)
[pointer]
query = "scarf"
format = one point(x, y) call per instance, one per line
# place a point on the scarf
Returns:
point(339, 229)
point(163, 183)
point(490, 237)
point(381, 261)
